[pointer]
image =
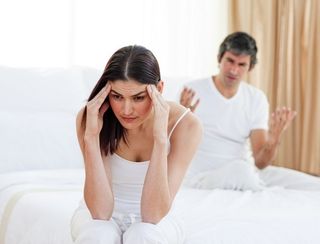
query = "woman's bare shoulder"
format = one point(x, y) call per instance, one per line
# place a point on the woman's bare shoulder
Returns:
point(189, 124)
point(176, 109)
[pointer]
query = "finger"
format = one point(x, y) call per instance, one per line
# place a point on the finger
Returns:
point(100, 98)
point(149, 90)
point(152, 93)
point(104, 107)
point(102, 93)
point(195, 105)
point(284, 115)
point(187, 101)
point(158, 96)
point(189, 97)
point(278, 116)
point(184, 92)
point(274, 117)
point(291, 114)
point(99, 94)
point(287, 112)
point(185, 95)
point(272, 121)
point(189, 91)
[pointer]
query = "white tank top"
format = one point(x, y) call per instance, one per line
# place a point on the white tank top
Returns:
point(128, 179)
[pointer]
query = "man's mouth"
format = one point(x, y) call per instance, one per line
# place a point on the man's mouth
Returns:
point(232, 77)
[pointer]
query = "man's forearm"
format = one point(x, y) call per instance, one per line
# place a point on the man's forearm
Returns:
point(266, 154)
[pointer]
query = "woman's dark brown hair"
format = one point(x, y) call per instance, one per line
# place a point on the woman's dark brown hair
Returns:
point(128, 63)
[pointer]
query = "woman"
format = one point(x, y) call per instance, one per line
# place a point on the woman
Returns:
point(135, 153)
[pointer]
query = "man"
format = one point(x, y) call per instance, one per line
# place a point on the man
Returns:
point(232, 113)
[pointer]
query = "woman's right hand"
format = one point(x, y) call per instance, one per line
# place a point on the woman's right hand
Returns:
point(96, 108)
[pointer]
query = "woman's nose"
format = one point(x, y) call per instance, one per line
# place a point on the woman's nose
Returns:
point(127, 108)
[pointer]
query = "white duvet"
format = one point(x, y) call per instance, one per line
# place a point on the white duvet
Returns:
point(36, 207)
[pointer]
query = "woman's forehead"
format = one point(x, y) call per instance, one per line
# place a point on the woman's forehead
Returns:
point(128, 87)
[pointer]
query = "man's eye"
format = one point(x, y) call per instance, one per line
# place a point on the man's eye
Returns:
point(139, 98)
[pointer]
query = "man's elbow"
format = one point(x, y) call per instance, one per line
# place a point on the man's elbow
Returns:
point(261, 164)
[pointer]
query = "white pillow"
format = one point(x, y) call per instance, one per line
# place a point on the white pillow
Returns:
point(90, 77)
point(38, 140)
point(235, 175)
point(52, 89)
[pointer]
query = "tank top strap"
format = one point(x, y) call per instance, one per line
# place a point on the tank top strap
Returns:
point(178, 121)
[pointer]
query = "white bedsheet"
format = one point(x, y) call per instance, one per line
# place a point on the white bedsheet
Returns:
point(36, 207)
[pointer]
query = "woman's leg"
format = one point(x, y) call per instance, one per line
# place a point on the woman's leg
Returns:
point(85, 230)
point(167, 231)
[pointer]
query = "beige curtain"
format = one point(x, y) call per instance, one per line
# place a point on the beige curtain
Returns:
point(288, 69)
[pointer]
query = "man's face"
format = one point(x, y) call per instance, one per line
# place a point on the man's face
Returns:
point(233, 68)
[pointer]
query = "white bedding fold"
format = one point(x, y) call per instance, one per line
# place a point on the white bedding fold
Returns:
point(37, 207)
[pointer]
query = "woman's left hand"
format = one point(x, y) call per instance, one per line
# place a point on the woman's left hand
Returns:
point(161, 113)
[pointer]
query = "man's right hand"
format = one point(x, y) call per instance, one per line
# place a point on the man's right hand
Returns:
point(186, 98)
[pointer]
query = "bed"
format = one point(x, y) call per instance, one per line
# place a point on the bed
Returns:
point(36, 207)
point(41, 175)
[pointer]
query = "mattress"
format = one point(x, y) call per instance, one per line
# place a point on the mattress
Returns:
point(36, 207)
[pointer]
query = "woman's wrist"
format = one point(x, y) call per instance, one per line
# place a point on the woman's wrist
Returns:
point(161, 140)
point(91, 142)
point(161, 143)
point(90, 138)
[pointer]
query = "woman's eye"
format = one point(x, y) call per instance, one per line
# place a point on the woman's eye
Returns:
point(116, 97)
point(139, 98)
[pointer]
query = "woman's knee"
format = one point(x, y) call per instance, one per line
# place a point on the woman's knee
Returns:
point(99, 232)
point(143, 233)
point(167, 231)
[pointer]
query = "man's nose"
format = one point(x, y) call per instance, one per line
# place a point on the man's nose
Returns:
point(234, 69)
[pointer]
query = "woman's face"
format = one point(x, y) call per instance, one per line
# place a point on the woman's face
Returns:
point(130, 102)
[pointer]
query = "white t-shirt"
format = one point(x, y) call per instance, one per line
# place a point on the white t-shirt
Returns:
point(227, 123)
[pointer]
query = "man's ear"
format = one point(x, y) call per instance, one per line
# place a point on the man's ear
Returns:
point(251, 66)
point(160, 86)
point(219, 58)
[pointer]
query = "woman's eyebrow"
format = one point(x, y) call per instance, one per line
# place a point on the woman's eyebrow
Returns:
point(135, 95)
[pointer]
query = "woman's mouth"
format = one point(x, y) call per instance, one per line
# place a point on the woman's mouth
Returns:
point(128, 119)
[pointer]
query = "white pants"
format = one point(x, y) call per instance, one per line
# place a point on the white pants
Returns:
point(289, 179)
point(234, 175)
point(122, 229)
point(243, 175)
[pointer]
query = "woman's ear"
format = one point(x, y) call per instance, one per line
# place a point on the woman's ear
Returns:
point(160, 86)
